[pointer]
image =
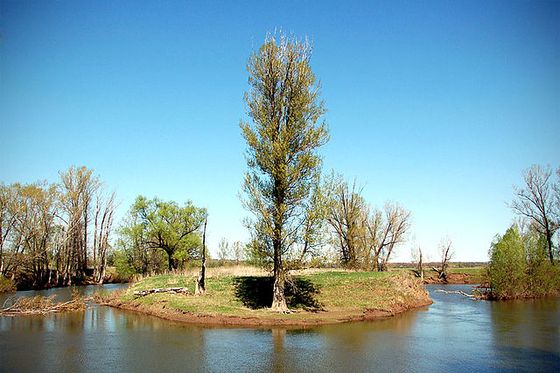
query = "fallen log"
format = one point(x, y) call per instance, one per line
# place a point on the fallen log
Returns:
point(143, 293)
point(455, 292)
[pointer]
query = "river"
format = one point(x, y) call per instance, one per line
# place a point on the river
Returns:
point(454, 334)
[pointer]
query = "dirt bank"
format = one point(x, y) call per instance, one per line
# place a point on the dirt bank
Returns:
point(296, 319)
point(453, 279)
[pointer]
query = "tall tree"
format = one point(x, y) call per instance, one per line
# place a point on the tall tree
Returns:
point(8, 220)
point(103, 223)
point(538, 202)
point(77, 189)
point(282, 140)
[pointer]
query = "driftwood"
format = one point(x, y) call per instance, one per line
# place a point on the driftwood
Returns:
point(456, 292)
point(143, 293)
point(40, 305)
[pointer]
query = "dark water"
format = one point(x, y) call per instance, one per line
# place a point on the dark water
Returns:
point(454, 334)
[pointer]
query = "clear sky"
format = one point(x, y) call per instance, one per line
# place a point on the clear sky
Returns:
point(438, 105)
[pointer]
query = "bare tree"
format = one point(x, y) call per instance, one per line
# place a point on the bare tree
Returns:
point(103, 223)
point(417, 261)
point(224, 251)
point(446, 253)
point(78, 186)
point(201, 280)
point(8, 220)
point(238, 251)
point(538, 202)
point(387, 232)
point(347, 215)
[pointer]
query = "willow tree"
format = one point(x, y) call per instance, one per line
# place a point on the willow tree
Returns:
point(282, 141)
point(160, 225)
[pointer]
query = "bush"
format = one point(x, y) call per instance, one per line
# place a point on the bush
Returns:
point(519, 267)
point(122, 265)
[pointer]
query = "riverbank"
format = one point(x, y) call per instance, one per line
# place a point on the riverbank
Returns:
point(315, 298)
point(458, 276)
point(468, 273)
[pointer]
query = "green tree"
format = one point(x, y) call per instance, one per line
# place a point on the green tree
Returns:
point(282, 140)
point(508, 264)
point(156, 224)
point(520, 267)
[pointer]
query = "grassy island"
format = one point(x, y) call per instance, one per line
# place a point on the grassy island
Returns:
point(314, 297)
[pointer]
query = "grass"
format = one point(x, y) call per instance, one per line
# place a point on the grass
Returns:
point(314, 295)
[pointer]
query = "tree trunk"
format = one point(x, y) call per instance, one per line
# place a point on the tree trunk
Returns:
point(1, 250)
point(549, 243)
point(85, 249)
point(200, 282)
point(170, 261)
point(278, 297)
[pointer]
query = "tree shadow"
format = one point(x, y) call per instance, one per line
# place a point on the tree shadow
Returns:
point(256, 292)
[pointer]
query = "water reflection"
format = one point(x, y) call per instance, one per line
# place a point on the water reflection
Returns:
point(455, 333)
point(527, 333)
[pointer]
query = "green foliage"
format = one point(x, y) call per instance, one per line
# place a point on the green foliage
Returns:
point(283, 103)
point(258, 254)
point(508, 265)
point(519, 267)
point(154, 227)
point(123, 265)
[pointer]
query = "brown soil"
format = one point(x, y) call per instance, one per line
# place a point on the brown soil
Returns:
point(299, 319)
point(452, 279)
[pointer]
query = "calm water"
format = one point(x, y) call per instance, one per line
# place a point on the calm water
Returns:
point(454, 334)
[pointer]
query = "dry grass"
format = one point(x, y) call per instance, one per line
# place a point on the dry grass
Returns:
point(40, 305)
point(215, 272)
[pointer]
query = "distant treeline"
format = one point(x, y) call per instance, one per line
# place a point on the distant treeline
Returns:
point(436, 264)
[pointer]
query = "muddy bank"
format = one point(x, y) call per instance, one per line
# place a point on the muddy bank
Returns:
point(453, 279)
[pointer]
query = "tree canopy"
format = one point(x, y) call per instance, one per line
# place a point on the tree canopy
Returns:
point(155, 224)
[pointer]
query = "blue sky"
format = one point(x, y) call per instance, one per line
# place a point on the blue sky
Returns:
point(438, 105)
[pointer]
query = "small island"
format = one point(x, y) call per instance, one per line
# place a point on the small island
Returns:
point(241, 296)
